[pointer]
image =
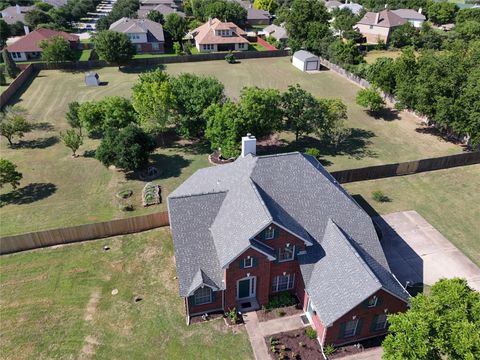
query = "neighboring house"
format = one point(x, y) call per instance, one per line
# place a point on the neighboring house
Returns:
point(255, 16)
point(163, 9)
point(279, 33)
point(262, 225)
point(332, 5)
point(159, 2)
point(416, 18)
point(28, 47)
point(305, 61)
point(216, 35)
point(378, 26)
point(12, 14)
point(353, 7)
point(56, 3)
point(146, 35)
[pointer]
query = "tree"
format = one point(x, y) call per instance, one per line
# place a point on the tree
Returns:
point(345, 52)
point(3, 80)
point(9, 174)
point(156, 16)
point(110, 112)
point(382, 74)
point(72, 116)
point(5, 32)
point(176, 26)
point(334, 130)
point(127, 148)
point(72, 139)
point(13, 122)
point(267, 5)
point(370, 99)
point(224, 128)
point(10, 66)
point(36, 17)
point(192, 95)
point(56, 49)
point(441, 12)
point(468, 105)
point(224, 10)
point(344, 21)
point(261, 111)
point(404, 35)
point(442, 325)
point(469, 30)
point(43, 6)
point(177, 48)
point(153, 101)
point(301, 111)
point(114, 47)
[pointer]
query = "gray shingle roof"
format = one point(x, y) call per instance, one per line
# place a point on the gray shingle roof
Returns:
point(409, 14)
point(153, 30)
point(386, 18)
point(304, 55)
point(217, 212)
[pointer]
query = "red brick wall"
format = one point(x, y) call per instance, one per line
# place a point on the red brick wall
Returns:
point(317, 324)
point(147, 48)
point(235, 273)
point(217, 304)
point(386, 301)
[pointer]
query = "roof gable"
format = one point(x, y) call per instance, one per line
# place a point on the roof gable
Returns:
point(31, 41)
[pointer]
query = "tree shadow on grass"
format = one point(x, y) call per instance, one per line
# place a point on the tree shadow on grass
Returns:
point(28, 194)
point(43, 126)
point(385, 114)
point(40, 143)
point(355, 146)
point(89, 153)
point(140, 68)
point(168, 166)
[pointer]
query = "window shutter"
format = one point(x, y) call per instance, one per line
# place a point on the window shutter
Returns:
point(214, 296)
point(342, 331)
point(297, 250)
point(359, 327)
point(277, 255)
point(254, 262)
point(365, 303)
point(374, 324)
point(379, 301)
point(242, 264)
point(275, 233)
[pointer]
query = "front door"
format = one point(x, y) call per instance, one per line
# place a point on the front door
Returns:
point(246, 288)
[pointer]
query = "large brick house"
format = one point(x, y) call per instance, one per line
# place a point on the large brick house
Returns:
point(261, 225)
point(146, 35)
point(215, 35)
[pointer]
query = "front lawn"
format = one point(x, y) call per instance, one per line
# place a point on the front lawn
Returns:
point(448, 199)
point(58, 191)
point(58, 303)
point(255, 46)
point(373, 55)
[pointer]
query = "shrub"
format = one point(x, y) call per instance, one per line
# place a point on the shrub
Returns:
point(232, 315)
point(312, 334)
point(380, 196)
point(281, 300)
point(282, 313)
point(329, 349)
point(273, 341)
point(370, 99)
point(313, 152)
point(230, 58)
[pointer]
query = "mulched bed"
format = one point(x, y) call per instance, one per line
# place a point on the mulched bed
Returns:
point(211, 316)
point(289, 344)
point(216, 159)
point(276, 313)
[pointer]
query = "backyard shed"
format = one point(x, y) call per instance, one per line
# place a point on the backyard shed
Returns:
point(305, 61)
point(92, 79)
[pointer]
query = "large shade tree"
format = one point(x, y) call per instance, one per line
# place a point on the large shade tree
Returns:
point(114, 47)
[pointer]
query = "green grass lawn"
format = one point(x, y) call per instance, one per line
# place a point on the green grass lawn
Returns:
point(373, 55)
point(448, 199)
point(58, 191)
point(57, 304)
point(255, 46)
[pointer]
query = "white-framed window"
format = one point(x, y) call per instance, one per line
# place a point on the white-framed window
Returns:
point(269, 233)
point(380, 322)
point(283, 282)
point(14, 55)
point(350, 328)
point(287, 253)
point(248, 262)
point(203, 296)
point(155, 46)
point(240, 46)
point(372, 302)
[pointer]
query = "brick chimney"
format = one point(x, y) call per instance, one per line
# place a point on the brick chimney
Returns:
point(18, 9)
point(249, 145)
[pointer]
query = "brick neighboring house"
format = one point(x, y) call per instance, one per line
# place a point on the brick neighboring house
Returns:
point(377, 27)
point(146, 35)
point(28, 47)
point(216, 35)
point(267, 224)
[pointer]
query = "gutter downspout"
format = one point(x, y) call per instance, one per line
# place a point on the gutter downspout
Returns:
point(187, 311)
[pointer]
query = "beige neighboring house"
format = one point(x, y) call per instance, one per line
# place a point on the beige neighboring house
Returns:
point(216, 35)
point(279, 33)
point(416, 18)
point(378, 26)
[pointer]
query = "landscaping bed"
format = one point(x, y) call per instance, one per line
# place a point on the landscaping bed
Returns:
point(356, 348)
point(280, 305)
point(293, 344)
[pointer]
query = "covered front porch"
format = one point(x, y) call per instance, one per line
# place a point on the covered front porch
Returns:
point(246, 299)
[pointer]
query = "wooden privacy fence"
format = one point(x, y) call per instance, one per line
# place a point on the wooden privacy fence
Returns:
point(16, 243)
point(16, 84)
point(406, 168)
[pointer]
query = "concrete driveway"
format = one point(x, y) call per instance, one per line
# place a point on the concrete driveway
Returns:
point(418, 253)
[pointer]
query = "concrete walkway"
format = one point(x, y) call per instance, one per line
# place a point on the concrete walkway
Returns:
point(419, 253)
point(258, 330)
point(370, 354)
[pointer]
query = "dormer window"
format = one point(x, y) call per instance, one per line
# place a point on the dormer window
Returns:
point(372, 302)
point(269, 233)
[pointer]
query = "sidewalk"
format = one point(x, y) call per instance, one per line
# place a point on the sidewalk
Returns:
point(258, 330)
